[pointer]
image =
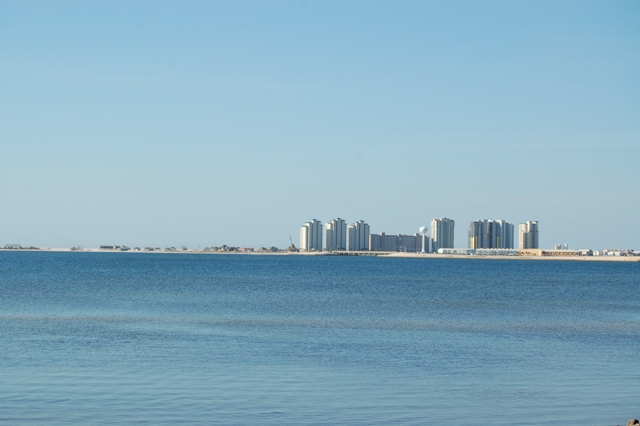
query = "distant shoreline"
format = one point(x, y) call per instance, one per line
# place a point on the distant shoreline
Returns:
point(403, 255)
point(499, 257)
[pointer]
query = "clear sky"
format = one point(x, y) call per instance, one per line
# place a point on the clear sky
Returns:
point(208, 123)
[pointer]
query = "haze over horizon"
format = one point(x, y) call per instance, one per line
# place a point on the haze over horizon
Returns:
point(210, 123)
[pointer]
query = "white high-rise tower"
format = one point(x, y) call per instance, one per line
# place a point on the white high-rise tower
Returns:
point(359, 236)
point(442, 233)
point(335, 235)
point(311, 236)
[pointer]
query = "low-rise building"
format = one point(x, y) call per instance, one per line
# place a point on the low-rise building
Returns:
point(617, 252)
point(457, 251)
point(549, 252)
point(497, 252)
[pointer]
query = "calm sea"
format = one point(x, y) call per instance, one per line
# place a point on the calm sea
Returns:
point(109, 338)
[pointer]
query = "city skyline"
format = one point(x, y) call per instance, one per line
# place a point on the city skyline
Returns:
point(336, 235)
point(482, 234)
point(200, 123)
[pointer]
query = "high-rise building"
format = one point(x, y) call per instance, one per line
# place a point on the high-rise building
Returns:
point(376, 241)
point(507, 234)
point(490, 234)
point(400, 242)
point(358, 234)
point(475, 234)
point(442, 233)
point(409, 243)
point(335, 235)
point(311, 236)
point(528, 236)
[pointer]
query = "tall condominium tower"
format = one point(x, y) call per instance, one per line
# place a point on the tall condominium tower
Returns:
point(335, 233)
point(490, 234)
point(358, 236)
point(507, 234)
point(529, 235)
point(311, 236)
point(442, 233)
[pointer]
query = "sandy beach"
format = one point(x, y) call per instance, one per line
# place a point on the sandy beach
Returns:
point(480, 257)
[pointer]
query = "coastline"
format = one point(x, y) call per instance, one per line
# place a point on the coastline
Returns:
point(402, 255)
point(499, 257)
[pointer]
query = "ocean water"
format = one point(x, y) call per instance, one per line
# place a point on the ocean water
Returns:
point(123, 338)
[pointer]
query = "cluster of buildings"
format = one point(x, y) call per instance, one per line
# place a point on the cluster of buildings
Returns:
point(616, 252)
point(498, 234)
point(483, 235)
point(223, 248)
point(19, 247)
point(338, 236)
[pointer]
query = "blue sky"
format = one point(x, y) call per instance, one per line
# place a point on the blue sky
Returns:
point(208, 123)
